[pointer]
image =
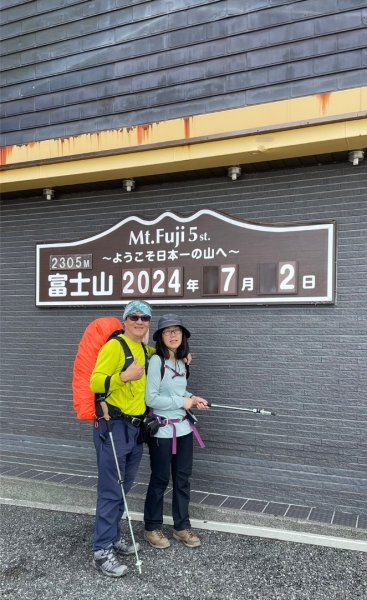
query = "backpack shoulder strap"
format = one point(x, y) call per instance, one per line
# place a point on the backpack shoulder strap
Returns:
point(163, 368)
point(146, 358)
point(187, 370)
point(129, 358)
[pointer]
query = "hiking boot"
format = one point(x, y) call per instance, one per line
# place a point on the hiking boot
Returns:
point(157, 539)
point(187, 537)
point(105, 561)
point(125, 549)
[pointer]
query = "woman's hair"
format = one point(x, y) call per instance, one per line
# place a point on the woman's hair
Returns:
point(162, 350)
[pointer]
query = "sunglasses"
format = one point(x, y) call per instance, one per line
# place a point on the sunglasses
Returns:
point(143, 318)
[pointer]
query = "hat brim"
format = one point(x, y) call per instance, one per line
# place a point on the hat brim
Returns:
point(186, 331)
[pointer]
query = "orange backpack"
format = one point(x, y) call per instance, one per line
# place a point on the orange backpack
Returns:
point(97, 333)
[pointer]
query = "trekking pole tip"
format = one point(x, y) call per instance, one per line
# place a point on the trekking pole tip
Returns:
point(138, 564)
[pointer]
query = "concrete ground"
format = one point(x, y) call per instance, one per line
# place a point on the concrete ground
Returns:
point(47, 554)
point(46, 534)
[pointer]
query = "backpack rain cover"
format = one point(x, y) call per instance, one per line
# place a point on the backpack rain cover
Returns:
point(94, 337)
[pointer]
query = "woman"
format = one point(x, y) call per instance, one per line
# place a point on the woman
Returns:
point(171, 449)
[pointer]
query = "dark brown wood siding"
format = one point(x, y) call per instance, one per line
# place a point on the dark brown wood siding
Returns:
point(72, 67)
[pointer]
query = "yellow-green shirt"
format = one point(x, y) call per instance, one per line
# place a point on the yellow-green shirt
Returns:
point(129, 397)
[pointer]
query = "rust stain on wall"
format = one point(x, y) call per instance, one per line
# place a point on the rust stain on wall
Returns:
point(143, 132)
point(187, 127)
point(324, 101)
point(4, 152)
point(99, 140)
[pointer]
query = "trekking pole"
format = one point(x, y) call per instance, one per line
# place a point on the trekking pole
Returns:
point(121, 482)
point(259, 411)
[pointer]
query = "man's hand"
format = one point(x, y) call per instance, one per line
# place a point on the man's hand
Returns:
point(188, 359)
point(133, 372)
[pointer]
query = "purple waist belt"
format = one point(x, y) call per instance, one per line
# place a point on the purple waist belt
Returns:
point(163, 421)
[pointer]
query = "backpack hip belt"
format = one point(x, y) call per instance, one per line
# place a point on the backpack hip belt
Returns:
point(116, 413)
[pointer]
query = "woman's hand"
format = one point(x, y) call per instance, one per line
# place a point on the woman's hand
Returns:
point(197, 402)
point(200, 403)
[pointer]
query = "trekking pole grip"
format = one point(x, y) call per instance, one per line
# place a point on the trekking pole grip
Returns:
point(106, 416)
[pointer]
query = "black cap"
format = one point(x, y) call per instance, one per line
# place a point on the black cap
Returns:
point(170, 320)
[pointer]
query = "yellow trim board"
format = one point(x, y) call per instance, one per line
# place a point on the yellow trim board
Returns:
point(318, 139)
point(329, 122)
point(284, 114)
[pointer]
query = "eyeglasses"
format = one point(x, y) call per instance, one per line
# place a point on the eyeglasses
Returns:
point(143, 318)
point(169, 332)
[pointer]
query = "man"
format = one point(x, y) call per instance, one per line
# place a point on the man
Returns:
point(125, 391)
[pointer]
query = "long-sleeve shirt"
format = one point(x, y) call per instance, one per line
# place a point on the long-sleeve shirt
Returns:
point(129, 396)
point(166, 396)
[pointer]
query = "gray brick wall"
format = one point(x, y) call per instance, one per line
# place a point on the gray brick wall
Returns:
point(307, 363)
point(76, 67)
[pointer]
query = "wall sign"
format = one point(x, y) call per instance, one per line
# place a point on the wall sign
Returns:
point(206, 258)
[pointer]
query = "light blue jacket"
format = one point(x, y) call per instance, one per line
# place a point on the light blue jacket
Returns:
point(166, 396)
